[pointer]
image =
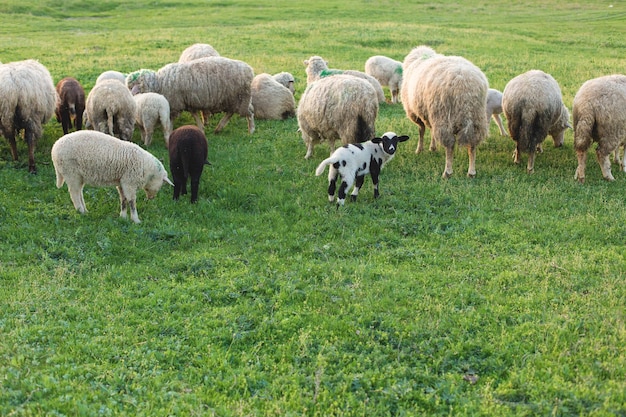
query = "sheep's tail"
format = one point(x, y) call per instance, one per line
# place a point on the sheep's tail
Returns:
point(531, 127)
point(322, 166)
point(72, 109)
point(363, 131)
point(110, 122)
point(583, 131)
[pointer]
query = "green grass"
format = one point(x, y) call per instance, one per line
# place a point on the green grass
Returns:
point(496, 296)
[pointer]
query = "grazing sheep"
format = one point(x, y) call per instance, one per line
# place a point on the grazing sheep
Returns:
point(196, 51)
point(150, 109)
point(534, 108)
point(188, 155)
point(70, 104)
point(354, 161)
point(494, 108)
point(27, 101)
point(317, 67)
point(209, 85)
point(339, 107)
point(388, 72)
point(599, 112)
point(97, 159)
point(448, 94)
point(286, 79)
point(111, 75)
point(270, 99)
point(111, 109)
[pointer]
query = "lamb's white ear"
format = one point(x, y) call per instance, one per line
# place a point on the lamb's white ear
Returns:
point(167, 180)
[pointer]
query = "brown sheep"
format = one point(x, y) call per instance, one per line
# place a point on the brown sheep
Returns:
point(70, 104)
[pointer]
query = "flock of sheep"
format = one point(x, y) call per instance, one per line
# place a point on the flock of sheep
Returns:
point(447, 94)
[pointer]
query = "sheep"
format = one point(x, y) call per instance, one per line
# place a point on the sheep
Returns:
point(97, 159)
point(197, 50)
point(151, 108)
point(354, 161)
point(270, 99)
point(388, 72)
point(534, 108)
point(494, 108)
point(70, 104)
point(286, 79)
point(111, 109)
point(339, 107)
point(448, 94)
point(210, 85)
point(188, 155)
point(599, 112)
point(317, 67)
point(27, 101)
point(111, 75)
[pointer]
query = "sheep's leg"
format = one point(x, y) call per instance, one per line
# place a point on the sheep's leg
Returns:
point(605, 165)
point(29, 136)
point(11, 138)
point(580, 169)
point(78, 121)
point(357, 186)
point(530, 166)
point(332, 182)
point(516, 154)
point(498, 121)
point(123, 203)
point(223, 122)
point(471, 152)
point(346, 183)
point(422, 131)
point(447, 173)
point(66, 122)
point(195, 185)
point(251, 125)
point(622, 163)
point(433, 142)
point(76, 194)
point(197, 116)
point(167, 130)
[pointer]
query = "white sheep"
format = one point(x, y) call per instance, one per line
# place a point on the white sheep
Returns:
point(599, 113)
point(286, 79)
point(150, 109)
point(533, 107)
point(111, 109)
point(388, 72)
point(270, 99)
point(196, 51)
point(494, 108)
point(111, 75)
point(317, 67)
point(205, 85)
point(339, 107)
point(97, 159)
point(27, 101)
point(353, 161)
point(448, 94)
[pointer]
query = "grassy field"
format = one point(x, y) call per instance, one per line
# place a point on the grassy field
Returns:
point(496, 296)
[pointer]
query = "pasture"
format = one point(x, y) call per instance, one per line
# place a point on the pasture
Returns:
point(502, 295)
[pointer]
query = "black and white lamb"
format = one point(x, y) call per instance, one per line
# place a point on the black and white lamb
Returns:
point(354, 161)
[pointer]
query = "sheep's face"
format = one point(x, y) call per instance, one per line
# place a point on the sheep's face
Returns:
point(558, 129)
point(154, 184)
point(389, 141)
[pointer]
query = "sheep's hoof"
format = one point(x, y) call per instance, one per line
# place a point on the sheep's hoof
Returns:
point(352, 198)
point(446, 175)
point(609, 178)
point(471, 174)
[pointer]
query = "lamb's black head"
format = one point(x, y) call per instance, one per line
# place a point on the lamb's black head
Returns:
point(389, 141)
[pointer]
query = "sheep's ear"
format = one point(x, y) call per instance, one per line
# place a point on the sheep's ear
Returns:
point(377, 140)
point(403, 138)
point(306, 62)
point(167, 180)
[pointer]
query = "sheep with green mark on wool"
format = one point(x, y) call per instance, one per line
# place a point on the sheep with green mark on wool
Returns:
point(317, 67)
point(388, 72)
